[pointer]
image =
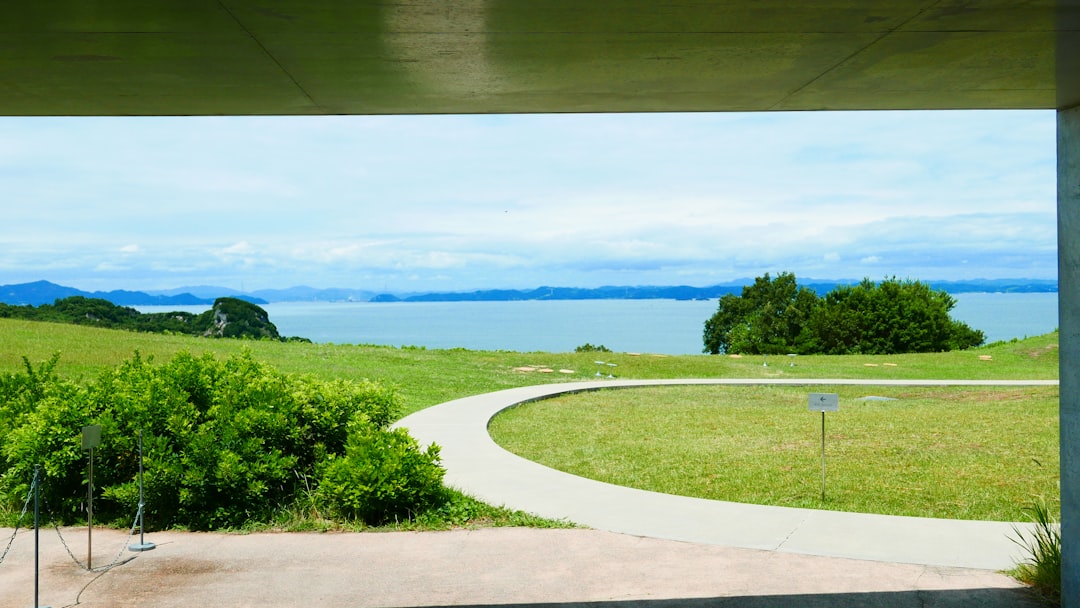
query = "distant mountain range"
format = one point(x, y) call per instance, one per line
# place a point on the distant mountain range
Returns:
point(684, 292)
point(44, 292)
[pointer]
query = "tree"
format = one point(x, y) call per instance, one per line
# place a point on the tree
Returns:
point(775, 316)
point(768, 318)
point(890, 317)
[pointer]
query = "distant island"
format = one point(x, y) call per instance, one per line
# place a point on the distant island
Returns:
point(45, 292)
point(227, 318)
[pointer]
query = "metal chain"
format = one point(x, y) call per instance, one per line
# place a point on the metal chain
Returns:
point(116, 562)
point(56, 526)
point(26, 505)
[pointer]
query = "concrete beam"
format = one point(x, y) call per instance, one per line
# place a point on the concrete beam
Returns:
point(301, 57)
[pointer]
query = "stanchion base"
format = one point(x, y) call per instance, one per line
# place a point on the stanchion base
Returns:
point(141, 547)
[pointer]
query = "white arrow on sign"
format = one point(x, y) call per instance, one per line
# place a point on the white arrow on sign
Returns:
point(824, 402)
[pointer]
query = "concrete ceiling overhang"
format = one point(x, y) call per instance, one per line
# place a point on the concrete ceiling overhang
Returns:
point(300, 57)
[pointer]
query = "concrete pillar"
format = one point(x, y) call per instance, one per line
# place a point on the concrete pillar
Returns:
point(1068, 178)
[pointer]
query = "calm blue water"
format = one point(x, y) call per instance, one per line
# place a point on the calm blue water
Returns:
point(648, 326)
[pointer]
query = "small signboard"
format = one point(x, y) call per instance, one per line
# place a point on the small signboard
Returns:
point(824, 402)
point(91, 436)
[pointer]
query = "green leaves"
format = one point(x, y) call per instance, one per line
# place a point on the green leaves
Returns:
point(775, 316)
point(1042, 568)
point(225, 442)
point(382, 475)
point(767, 319)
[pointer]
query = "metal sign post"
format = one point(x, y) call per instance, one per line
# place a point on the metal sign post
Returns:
point(143, 545)
point(37, 527)
point(823, 402)
point(91, 438)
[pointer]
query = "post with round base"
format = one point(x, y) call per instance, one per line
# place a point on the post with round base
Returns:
point(36, 485)
point(142, 545)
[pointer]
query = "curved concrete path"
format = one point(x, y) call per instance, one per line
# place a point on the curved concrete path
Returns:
point(479, 467)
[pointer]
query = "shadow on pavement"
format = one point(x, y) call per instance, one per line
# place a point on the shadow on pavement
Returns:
point(981, 598)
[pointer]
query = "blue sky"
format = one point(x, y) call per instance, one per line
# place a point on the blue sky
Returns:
point(448, 203)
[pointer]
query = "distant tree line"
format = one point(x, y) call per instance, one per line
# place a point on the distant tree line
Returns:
point(777, 316)
point(228, 318)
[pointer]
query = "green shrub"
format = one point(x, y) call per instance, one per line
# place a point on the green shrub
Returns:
point(382, 475)
point(225, 442)
point(40, 418)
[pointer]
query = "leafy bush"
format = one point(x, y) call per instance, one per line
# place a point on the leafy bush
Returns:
point(381, 476)
point(589, 348)
point(37, 414)
point(225, 442)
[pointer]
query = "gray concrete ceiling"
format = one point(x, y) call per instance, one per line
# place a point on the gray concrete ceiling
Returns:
point(238, 57)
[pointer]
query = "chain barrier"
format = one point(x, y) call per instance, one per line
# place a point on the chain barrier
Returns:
point(127, 541)
point(18, 522)
point(116, 561)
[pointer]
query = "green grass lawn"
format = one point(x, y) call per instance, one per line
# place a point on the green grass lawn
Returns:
point(429, 377)
point(961, 452)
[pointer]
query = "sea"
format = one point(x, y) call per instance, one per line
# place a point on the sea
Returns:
point(672, 327)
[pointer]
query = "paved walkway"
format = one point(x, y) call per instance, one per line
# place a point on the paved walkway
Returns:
point(477, 466)
point(484, 568)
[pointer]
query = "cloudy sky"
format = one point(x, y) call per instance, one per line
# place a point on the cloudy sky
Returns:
point(449, 203)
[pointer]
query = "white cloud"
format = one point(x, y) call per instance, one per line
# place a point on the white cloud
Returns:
point(241, 248)
point(474, 201)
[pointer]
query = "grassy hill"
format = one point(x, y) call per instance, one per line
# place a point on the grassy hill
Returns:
point(428, 377)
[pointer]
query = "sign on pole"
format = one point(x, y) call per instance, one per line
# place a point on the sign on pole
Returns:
point(823, 402)
point(91, 438)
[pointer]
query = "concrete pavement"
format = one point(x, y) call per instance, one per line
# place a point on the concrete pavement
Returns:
point(486, 567)
point(476, 465)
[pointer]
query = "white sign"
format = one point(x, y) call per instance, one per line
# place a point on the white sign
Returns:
point(824, 402)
